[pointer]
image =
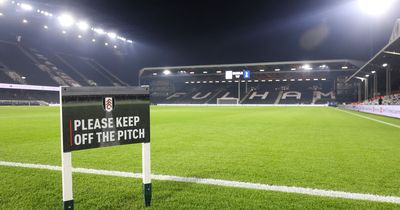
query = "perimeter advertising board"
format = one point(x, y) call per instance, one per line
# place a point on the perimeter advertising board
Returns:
point(385, 110)
point(93, 117)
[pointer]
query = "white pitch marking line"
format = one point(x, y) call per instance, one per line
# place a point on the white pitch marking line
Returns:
point(369, 118)
point(219, 182)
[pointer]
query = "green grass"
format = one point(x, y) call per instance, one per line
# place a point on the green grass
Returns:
point(40, 189)
point(315, 147)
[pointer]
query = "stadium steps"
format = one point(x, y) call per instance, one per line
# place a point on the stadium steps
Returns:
point(108, 72)
point(17, 61)
point(90, 73)
point(56, 73)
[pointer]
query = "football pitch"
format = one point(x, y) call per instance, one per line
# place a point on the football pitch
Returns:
point(308, 147)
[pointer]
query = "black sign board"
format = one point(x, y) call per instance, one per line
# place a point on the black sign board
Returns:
point(104, 116)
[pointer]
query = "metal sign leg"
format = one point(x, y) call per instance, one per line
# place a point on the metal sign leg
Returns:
point(68, 201)
point(146, 173)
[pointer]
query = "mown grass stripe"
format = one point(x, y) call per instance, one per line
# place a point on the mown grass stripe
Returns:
point(219, 182)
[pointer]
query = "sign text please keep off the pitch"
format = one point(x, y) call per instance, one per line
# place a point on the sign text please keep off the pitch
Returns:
point(106, 120)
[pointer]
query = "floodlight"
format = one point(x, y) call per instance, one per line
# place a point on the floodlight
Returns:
point(1, 14)
point(66, 20)
point(166, 72)
point(63, 31)
point(306, 67)
point(277, 69)
point(106, 44)
point(121, 38)
point(45, 27)
point(293, 69)
point(345, 67)
point(82, 25)
point(79, 36)
point(367, 75)
point(130, 41)
point(99, 30)
point(2, 2)
point(373, 72)
point(375, 7)
point(115, 47)
point(24, 21)
point(93, 40)
point(384, 65)
point(111, 35)
point(26, 7)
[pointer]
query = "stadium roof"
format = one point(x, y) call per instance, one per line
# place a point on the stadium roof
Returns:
point(52, 15)
point(389, 56)
point(342, 64)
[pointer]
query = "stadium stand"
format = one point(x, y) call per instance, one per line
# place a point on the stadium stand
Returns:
point(28, 97)
point(393, 99)
point(301, 82)
point(258, 93)
point(40, 66)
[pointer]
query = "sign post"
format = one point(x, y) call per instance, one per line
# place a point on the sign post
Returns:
point(93, 117)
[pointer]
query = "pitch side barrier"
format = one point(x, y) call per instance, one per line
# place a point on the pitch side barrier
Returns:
point(383, 110)
point(287, 105)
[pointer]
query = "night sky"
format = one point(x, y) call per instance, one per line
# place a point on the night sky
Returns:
point(212, 32)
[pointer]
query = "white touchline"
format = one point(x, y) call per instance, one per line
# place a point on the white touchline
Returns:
point(369, 118)
point(219, 182)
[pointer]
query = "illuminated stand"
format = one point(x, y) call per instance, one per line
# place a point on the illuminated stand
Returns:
point(74, 103)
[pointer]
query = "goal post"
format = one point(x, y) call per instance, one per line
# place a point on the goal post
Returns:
point(227, 101)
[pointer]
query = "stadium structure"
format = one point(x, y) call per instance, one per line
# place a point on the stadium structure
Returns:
point(293, 82)
point(53, 53)
point(226, 136)
point(41, 48)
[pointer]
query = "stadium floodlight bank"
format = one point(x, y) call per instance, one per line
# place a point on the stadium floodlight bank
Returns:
point(93, 117)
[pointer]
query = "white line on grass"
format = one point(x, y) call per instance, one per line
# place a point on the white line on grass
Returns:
point(369, 118)
point(219, 182)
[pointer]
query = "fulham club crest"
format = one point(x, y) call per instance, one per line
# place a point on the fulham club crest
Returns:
point(108, 104)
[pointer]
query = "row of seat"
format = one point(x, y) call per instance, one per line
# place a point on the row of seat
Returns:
point(261, 93)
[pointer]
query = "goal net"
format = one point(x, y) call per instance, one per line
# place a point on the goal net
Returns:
point(227, 101)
